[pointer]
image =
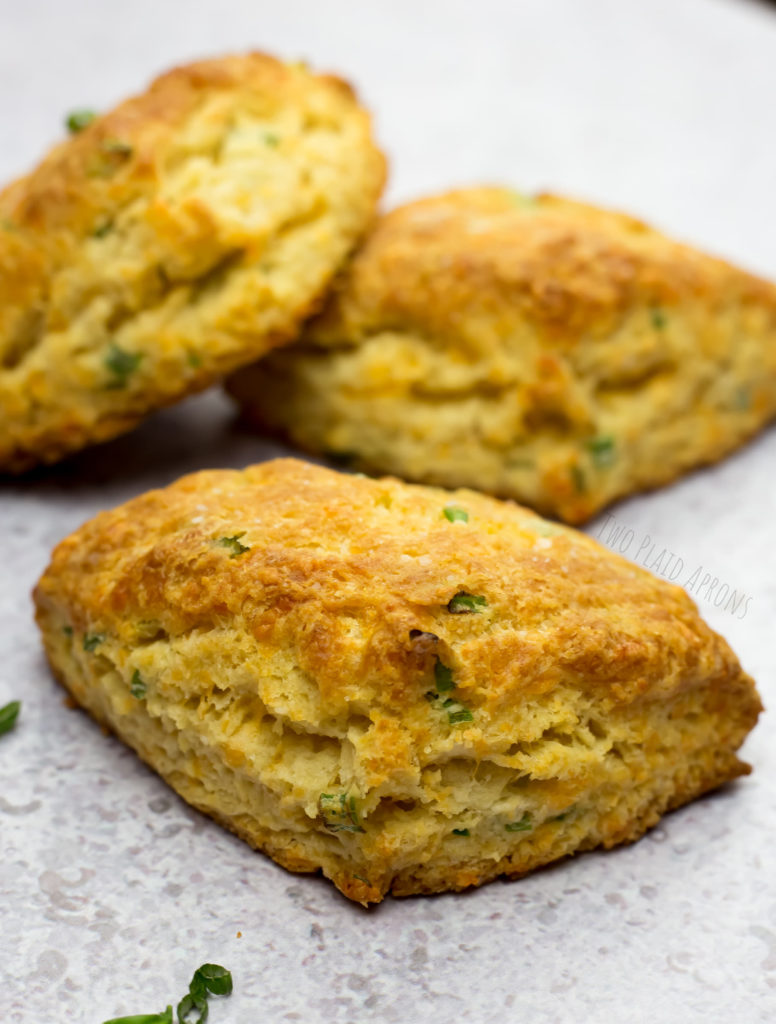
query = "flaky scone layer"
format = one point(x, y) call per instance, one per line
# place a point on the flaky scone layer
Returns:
point(179, 236)
point(410, 689)
point(534, 348)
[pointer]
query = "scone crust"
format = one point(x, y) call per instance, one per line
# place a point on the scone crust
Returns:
point(179, 236)
point(531, 347)
point(270, 641)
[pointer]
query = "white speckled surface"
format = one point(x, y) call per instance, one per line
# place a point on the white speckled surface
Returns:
point(113, 891)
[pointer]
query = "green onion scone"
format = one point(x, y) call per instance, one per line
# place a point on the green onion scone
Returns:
point(410, 689)
point(538, 349)
point(177, 237)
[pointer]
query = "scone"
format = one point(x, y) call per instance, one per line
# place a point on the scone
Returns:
point(410, 689)
point(179, 236)
point(533, 348)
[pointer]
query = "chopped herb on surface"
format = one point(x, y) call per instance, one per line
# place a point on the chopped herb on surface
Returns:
point(194, 360)
point(461, 832)
point(77, 120)
point(455, 515)
point(233, 544)
point(658, 318)
point(145, 1018)
point(209, 979)
point(120, 364)
point(93, 640)
point(137, 687)
point(340, 813)
point(463, 603)
point(602, 451)
point(102, 229)
point(443, 677)
point(271, 139)
point(67, 630)
point(362, 879)
point(8, 715)
point(524, 825)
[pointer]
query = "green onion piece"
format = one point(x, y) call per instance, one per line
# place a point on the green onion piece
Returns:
point(233, 544)
point(463, 603)
point(455, 515)
point(602, 451)
point(462, 715)
point(658, 318)
point(93, 640)
point(102, 229)
point(67, 630)
point(145, 1018)
point(742, 399)
point(8, 716)
point(545, 529)
point(578, 478)
point(77, 120)
point(117, 146)
point(524, 825)
point(137, 687)
point(188, 1005)
point(564, 815)
point(457, 712)
point(271, 139)
point(520, 198)
point(120, 364)
point(443, 677)
point(217, 979)
point(339, 812)
point(209, 979)
point(461, 832)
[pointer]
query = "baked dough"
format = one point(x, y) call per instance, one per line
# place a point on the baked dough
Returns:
point(533, 348)
point(410, 689)
point(181, 235)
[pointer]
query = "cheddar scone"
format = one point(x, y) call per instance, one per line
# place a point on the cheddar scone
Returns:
point(177, 237)
point(409, 689)
point(533, 348)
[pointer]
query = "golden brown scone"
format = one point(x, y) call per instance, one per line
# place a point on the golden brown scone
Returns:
point(538, 349)
point(183, 234)
point(410, 689)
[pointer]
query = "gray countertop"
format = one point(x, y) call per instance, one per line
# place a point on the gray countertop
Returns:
point(113, 890)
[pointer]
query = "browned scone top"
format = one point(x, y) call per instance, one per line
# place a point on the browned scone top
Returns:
point(171, 240)
point(531, 347)
point(412, 689)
